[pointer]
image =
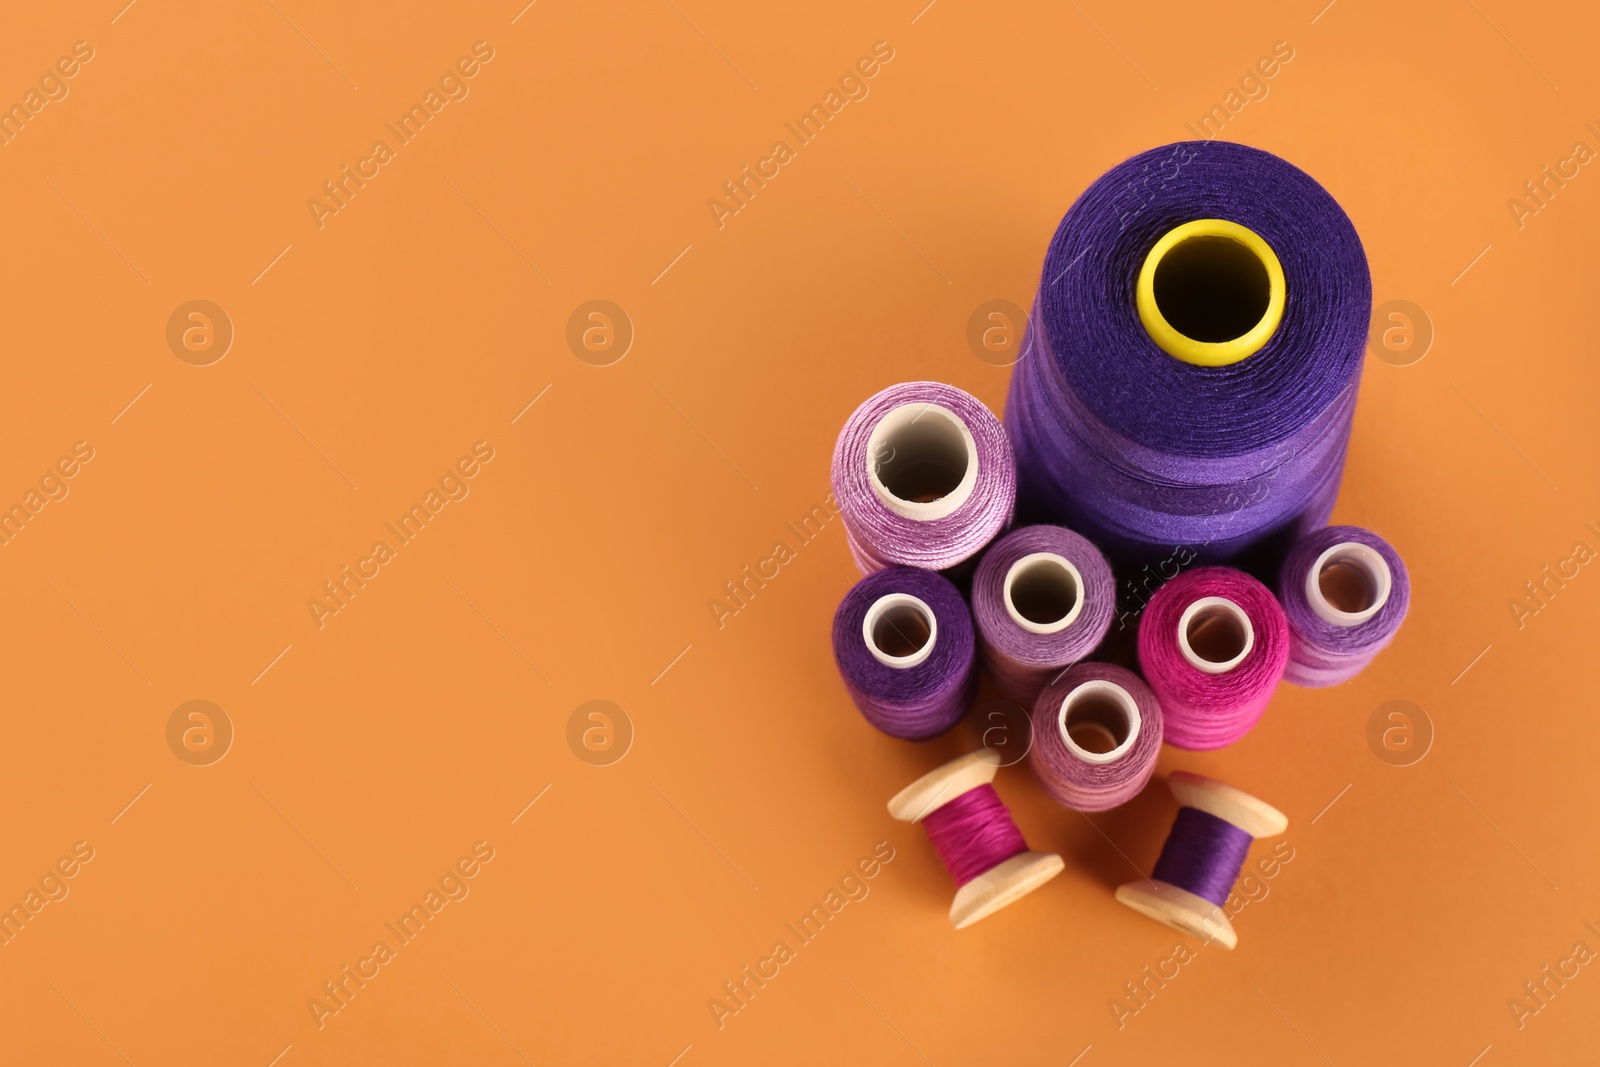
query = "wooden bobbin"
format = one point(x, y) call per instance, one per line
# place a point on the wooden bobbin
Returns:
point(1000, 885)
point(1179, 908)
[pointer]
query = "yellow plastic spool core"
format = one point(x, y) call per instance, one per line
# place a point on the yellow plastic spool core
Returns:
point(1210, 292)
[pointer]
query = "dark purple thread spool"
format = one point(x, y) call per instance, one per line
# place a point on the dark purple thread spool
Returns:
point(974, 835)
point(1202, 857)
point(904, 643)
point(1345, 591)
point(1141, 450)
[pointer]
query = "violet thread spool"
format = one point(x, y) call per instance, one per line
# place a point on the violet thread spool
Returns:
point(973, 833)
point(904, 644)
point(1213, 643)
point(1096, 736)
point(1345, 591)
point(1042, 599)
point(1202, 858)
point(924, 476)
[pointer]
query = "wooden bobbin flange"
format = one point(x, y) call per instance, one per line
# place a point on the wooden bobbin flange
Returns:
point(1000, 885)
point(1179, 908)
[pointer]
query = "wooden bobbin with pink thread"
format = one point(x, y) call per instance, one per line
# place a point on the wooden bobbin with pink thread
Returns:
point(1007, 880)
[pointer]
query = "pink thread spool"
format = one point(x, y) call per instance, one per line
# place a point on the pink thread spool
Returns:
point(973, 833)
point(1205, 851)
point(1213, 644)
point(1096, 735)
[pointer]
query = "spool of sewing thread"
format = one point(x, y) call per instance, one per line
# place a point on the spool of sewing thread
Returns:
point(904, 644)
point(924, 476)
point(973, 834)
point(1345, 592)
point(1190, 368)
point(1203, 856)
point(1096, 735)
point(1213, 643)
point(1042, 599)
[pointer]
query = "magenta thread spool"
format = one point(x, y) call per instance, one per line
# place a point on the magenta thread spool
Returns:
point(1096, 735)
point(903, 640)
point(1203, 856)
point(972, 831)
point(1042, 599)
point(924, 477)
point(1345, 591)
point(1213, 643)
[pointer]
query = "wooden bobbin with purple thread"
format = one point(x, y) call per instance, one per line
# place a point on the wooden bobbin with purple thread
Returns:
point(1203, 854)
point(973, 833)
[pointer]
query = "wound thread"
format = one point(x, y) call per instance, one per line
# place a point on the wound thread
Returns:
point(1203, 854)
point(1215, 670)
point(924, 477)
point(974, 833)
point(1334, 644)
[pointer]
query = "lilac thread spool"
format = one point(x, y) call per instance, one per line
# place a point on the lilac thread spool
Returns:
point(1189, 379)
point(1213, 643)
point(974, 835)
point(1096, 735)
point(1345, 591)
point(1042, 599)
point(903, 640)
point(1203, 856)
point(924, 477)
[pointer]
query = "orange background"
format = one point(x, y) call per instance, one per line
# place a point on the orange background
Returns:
point(372, 753)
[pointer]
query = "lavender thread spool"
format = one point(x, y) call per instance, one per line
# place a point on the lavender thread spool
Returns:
point(1188, 379)
point(1202, 857)
point(1213, 643)
point(1042, 599)
point(903, 641)
point(1345, 591)
point(975, 837)
point(1096, 735)
point(924, 477)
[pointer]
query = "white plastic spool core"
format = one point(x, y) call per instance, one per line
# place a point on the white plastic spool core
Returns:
point(1101, 713)
point(1349, 584)
point(922, 461)
point(1043, 593)
point(1215, 635)
point(900, 630)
